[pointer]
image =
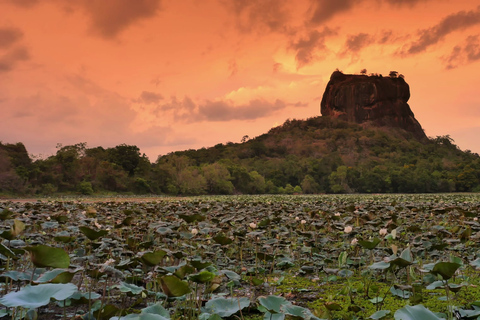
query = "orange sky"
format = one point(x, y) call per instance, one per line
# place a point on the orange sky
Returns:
point(173, 75)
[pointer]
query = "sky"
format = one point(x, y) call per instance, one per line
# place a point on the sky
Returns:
point(169, 75)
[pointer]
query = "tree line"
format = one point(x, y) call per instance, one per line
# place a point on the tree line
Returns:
point(317, 155)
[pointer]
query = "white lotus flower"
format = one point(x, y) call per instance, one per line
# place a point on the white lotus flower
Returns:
point(194, 231)
point(383, 231)
point(348, 229)
point(303, 221)
point(354, 241)
point(253, 225)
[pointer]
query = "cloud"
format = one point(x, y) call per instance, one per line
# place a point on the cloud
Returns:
point(461, 55)
point(355, 43)
point(110, 17)
point(259, 15)
point(227, 111)
point(188, 111)
point(307, 48)
point(454, 22)
point(9, 36)
point(400, 3)
point(9, 60)
point(324, 10)
point(23, 3)
point(149, 97)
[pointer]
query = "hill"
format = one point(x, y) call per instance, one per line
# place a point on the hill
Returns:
point(324, 154)
point(368, 141)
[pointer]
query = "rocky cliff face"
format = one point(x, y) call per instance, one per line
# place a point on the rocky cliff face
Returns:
point(377, 100)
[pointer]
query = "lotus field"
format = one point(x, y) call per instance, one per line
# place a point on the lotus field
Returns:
point(242, 257)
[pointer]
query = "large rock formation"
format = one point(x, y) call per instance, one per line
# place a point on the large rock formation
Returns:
point(376, 100)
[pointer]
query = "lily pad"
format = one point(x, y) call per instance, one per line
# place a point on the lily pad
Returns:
point(226, 307)
point(31, 297)
point(173, 286)
point(43, 256)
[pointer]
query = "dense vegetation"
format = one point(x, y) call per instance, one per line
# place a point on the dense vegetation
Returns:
point(272, 257)
point(317, 155)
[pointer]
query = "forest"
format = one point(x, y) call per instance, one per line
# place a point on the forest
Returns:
point(316, 155)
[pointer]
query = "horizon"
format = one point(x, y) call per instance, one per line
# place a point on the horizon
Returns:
point(171, 76)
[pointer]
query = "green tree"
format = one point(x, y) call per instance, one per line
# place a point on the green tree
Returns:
point(85, 188)
point(190, 181)
point(127, 157)
point(309, 185)
point(257, 183)
point(218, 178)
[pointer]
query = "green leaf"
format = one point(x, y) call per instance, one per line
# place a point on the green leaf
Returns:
point(376, 300)
point(202, 277)
point(333, 306)
point(400, 262)
point(379, 314)
point(57, 276)
point(107, 312)
point(128, 287)
point(445, 269)
point(222, 239)
point(199, 265)
point(407, 255)
point(18, 227)
point(9, 253)
point(342, 259)
point(31, 297)
point(174, 287)
point(153, 258)
point(192, 218)
point(43, 256)
point(418, 312)
point(381, 265)
point(92, 234)
point(436, 284)
point(231, 275)
point(272, 303)
point(405, 294)
point(226, 307)
point(369, 244)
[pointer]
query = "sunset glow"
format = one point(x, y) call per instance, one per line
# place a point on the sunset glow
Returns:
point(174, 75)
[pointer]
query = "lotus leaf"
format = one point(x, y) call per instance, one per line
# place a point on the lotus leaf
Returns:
point(36, 296)
point(153, 258)
point(418, 312)
point(92, 234)
point(203, 276)
point(226, 307)
point(379, 314)
point(44, 256)
point(173, 286)
point(445, 269)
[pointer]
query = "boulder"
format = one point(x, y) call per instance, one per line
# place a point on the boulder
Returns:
point(374, 100)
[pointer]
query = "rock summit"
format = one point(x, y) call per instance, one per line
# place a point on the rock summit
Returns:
point(374, 100)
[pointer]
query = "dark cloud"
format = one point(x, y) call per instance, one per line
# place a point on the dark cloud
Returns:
point(458, 21)
point(23, 3)
point(8, 36)
point(355, 43)
point(226, 110)
point(214, 111)
point(400, 3)
point(467, 53)
point(9, 60)
point(259, 15)
point(307, 48)
point(322, 10)
point(149, 97)
point(233, 68)
point(110, 17)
